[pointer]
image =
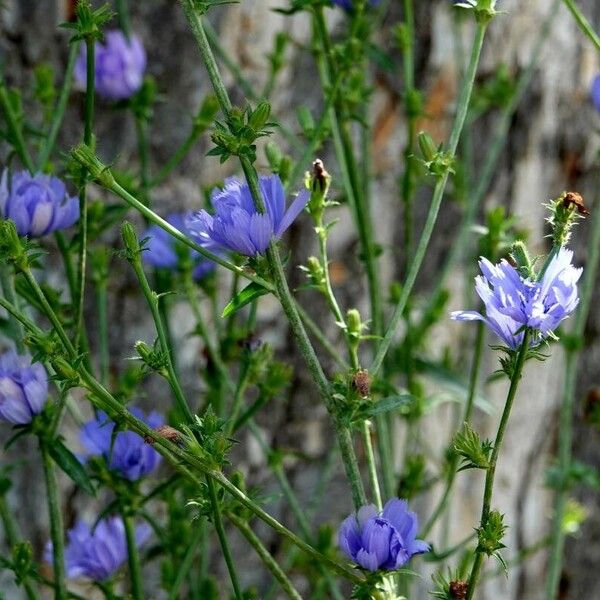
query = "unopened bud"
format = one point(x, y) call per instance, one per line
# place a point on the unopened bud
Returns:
point(354, 323)
point(167, 432)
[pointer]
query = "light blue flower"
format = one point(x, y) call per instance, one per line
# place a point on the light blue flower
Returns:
point(38, 204)
point(384, 540)
point(513, 302)
point(236, 224)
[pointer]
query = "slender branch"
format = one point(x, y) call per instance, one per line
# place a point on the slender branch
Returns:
point(459, 121)
point(15, 128)
point(286, 585)
point(565, 430)
point(218, 523)
point(491, 470)
point(56, 524)
point(133, 557)
point(583, 23)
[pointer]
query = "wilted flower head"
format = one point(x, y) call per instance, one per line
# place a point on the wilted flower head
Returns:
point(595, 92)
point(126, 453)
point(98, 554)
point(161, 248)
point(237, 225)
point(513, 301)
point(384, 540)
point(38, 204)
point(119, 66)
point(23, 388)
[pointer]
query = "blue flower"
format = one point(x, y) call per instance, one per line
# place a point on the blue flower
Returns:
point(38, 204)
point(23, 388)
point(384, 540)
point(513, 302)
point(119, 66)
point(161, 249)
point(98, 554)
point(349, 4)
point(237, 226)
point(127, 454)
point(595, 92)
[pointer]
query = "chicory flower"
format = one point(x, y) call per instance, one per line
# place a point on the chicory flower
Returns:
point(513, 302)
point(38, 204)
point(595, 92)
point(127, 453)
point(23, 388)
point(236, 224)
point(98, 553)
point(384, 540)
point(119, 66)
point(161, 249)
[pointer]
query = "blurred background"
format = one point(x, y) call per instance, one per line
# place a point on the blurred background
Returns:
point(552, 146)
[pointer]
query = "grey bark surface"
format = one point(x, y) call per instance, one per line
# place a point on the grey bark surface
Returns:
point(552, 146)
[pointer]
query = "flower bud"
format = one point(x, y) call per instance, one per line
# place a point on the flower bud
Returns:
point(564, 212)
point(458, 589)
point(362, 382)
point(131, 241)
point(354, 323)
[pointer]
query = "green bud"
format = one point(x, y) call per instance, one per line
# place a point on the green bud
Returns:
point(206, 113)
point(491, 533)
point(260, 116)
point(131, 241)
point(521, 256)
point(305, 119)
point(22, 554)
point(354, 323)
point(318, 182)
point(428, 148)
point(564, 214)
point(98, 171)
point(11, 246)
point(274, 155)
point(64, 369)
point(315, 271)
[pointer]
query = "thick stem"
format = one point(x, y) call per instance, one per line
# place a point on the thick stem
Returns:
point(459, 121)
point(56, 524)
point(218, 523)
point(491, 470)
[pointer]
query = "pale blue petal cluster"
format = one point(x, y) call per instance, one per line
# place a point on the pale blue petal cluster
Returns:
point(37, 204)
point(23, 388)
point(97, 554)
point(126, 453)
point(161, 248)
point(384, 540)
point(237, 226)
point(513, 302)
point(119, 66)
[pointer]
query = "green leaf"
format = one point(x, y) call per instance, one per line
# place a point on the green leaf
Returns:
point(67, 461)
point(251, 292)
point(390, 403)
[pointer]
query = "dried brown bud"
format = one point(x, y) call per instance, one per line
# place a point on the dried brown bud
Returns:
point(458, 589)
point(573, 199)
point(362, 382)
point(167, 432)
point(321, 176)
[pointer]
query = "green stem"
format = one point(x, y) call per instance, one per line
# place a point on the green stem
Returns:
point(371, 466)
point(12, 539)
point(83, 205)
point(218, 523)
point(459, 121)
point(15, 129)
point(123, 12)
point(474, 377)
point(350, 171)
point(60, 108)
point(268, 560)
point(287, 302)
point(133, 557)
point(565, 430)
point(102, 304)
point(141, 128)
point(491, 470)
point(583, 23)
point(153, 303)
point(486, 174)
point(56, 524)
point(186, 562)
point(17, 333)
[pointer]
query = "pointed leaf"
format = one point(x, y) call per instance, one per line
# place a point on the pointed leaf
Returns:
point(248, 294)
point(68, 462)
